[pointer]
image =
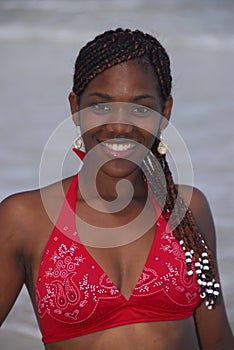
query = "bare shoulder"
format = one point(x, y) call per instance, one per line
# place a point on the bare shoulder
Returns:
point(16, 212)
point(199, 205)
point(19, 213)
point(196, 200)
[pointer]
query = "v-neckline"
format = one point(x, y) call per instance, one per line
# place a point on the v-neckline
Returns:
point(151, 250)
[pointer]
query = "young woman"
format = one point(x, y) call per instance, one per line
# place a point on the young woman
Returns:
point(130, 263)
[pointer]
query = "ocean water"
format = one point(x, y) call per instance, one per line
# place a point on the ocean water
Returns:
point(39, 41)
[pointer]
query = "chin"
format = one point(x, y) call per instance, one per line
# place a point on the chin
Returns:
point(119, 168)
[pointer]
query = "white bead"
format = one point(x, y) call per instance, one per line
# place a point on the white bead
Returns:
point(209, 291)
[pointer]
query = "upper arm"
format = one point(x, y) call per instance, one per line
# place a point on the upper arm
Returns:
point(25, 223)
point(213, 329)
point(11, 257)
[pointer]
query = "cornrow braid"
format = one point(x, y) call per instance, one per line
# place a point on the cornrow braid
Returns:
point(117, 46)
point(114, 47)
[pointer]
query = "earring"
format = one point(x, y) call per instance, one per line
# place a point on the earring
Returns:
point(78, 142)
point(162, 146)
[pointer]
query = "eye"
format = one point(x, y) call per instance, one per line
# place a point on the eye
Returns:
point(141, 111)
point(100, 108)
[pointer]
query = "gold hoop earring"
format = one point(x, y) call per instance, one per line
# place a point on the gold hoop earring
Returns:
point(162, 146)
point(78, 142)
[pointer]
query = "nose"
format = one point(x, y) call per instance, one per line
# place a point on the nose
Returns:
point(119, 122)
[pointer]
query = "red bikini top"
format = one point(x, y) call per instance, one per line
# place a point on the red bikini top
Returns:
point(76, 297)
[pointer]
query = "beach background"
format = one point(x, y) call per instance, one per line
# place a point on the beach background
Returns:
point(39, 41)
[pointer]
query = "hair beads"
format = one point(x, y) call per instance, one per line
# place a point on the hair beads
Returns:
point(117, 46)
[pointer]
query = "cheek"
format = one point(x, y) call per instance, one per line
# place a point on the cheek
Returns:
point(89, 122)
point(88, 140)
point(151, 141)
point(151, 131)
point(85, 124)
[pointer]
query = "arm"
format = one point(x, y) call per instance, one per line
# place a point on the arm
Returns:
point(214, 332)
point(12, 272)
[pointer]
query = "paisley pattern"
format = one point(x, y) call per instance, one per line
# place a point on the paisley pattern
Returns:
point(67, 289)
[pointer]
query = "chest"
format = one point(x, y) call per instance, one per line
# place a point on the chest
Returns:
point(124, 264)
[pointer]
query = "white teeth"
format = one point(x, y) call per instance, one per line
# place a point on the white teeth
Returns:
point(118, 147)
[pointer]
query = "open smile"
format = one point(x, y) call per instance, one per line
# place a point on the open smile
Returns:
point(119, 148)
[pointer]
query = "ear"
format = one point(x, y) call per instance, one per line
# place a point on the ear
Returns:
point(167, 108)
point(72, 97)
point(166, 112)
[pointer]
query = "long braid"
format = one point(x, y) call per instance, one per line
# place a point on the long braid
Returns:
point(117, 46)
point(186, 230)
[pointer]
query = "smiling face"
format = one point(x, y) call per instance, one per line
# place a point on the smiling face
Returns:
point(120, 111)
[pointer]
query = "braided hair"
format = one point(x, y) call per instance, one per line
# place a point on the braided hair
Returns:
point(117, 46)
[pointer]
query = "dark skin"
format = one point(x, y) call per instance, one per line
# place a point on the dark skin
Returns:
point(26, 228)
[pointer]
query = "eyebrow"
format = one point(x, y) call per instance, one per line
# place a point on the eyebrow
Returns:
point(100, 94)
point(134, 98)
point(142, 97)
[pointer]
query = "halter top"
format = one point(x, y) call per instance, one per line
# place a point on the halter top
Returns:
point(76, 297)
